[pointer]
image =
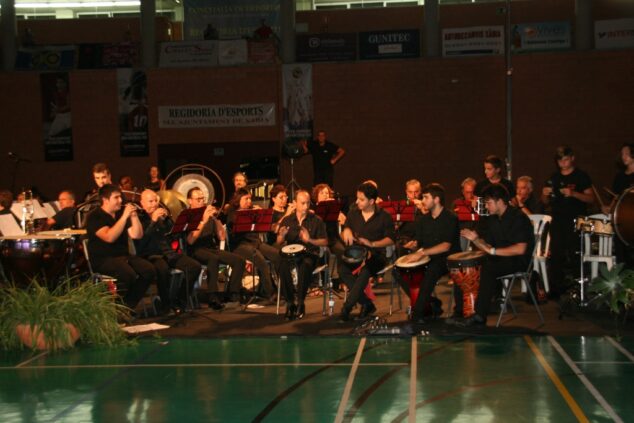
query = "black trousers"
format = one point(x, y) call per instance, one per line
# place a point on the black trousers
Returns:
point(212, 259)
point(436, 268)
point(492, 269)
point(356, 284)
point(564, 244)
point(259, 254)
point(191, 269)
point(134, 275)
point(305, 266)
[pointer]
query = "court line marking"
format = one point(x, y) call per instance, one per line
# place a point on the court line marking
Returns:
point(412, 381)
point(620, 347)
point(602, 362)
point(25, 362)
point(159, 365)
point(576, 410)
point(595, 393)
point(346, 392)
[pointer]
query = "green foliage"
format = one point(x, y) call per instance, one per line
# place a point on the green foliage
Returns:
point(615, 287)
point(88, 306)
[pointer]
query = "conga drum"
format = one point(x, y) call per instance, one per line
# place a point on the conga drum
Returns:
point(293, 251)
point(412, 270)
point(464, 270)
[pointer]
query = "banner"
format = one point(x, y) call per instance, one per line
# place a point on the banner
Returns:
point(540, 36)
point(298, 101)
point(473, 41)
point(45, 58)
point(216, 116)
point(615, 33)
point(262, 51)
point(326, 47)
point(229, 19)
point(133, 112)
point(111, 55)
point(189, 54)
point(233, 52)
point(56, 117)
point(398, 44)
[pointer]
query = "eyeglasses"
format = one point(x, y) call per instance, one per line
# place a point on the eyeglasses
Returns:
point(198, 198)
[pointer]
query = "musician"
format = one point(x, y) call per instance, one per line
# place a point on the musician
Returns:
point(307, 229)
point(407, 230)
point(64, 218)
point(623, 181)
point(568, 193)
point(509, 243)
point(249, 245)
point(101, 175)
point(493, 169)
point(6, 200)
point(155, 247)
point(524, 198)
point(154, 180)
point(204, 247)
point(371, 227)
point(437, 236)
point(281, 209)
point(465, 208)
point(325, 155)
point(239, 180)
point(108, 228)
point(321, 193)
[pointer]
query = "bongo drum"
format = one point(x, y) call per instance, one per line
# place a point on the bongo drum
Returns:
point(293, 251)
point(412, 269)
point(464, 270)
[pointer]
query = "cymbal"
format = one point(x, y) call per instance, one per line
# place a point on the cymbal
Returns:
point(173, 200)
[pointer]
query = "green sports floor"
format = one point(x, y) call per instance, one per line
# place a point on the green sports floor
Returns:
point(326, 379)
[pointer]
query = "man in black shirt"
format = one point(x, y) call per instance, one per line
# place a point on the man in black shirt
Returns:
point(437, 236)
point(101, 175)
point(524, 198)
point(370, 226)
point(325, 155)
point(509, 243)
point(493, 168)
point(307, 229)
point(64, 217)
point(567, 192)
point(108, 229)
point(155, 247)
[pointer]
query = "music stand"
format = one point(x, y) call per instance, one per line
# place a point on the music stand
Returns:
point(188, 220)
point(252, 220)
point(401, 211)
point(328, 211)
point(465, 211)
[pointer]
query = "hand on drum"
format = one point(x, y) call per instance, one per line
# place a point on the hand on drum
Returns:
point(347, 237)
point(469, 234)
point(364, 242)
point(411, 245)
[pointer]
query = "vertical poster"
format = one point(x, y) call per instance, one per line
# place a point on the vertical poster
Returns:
point(133, 112)
point(56, 120)
point(298, 101)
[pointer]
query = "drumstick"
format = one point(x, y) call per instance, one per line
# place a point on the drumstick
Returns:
point(596, 194)
point(610, 192)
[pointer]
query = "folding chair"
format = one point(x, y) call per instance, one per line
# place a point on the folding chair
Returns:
point(605, 251)
point(540, 222)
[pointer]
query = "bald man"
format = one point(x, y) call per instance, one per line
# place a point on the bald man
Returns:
point(155, 247)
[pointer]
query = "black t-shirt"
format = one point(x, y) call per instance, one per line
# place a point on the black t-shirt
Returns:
point(322, 154)
point(313, 223)
point(154, 240)
point(100, 249)
point(64, 218)
point(208, 237)
point(512, 227)
point(407, 230)
point(483, 184)
point(432, 231)
point(568, 207)
point(622, 181)
point(377, 227)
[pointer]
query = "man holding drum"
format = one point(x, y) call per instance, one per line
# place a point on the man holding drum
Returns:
point(437, 235)
point(509, 243)
point(371, 227)
point(300, 229)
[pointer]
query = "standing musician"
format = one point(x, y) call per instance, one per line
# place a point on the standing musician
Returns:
point(64, 218)
point(101, 175)
point(108, 229)
point(249, 245)
point(493, 169)
point(524, 198)
point(509, 243)
point(205, 247)
point(155, 247)
point(370, 226)
point(567, 192)
point(437, 236)
point(307, 229)
point(624, 179)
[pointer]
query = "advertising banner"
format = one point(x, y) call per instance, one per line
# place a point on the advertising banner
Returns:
point(133, 112)
point(189, 54)
point(233, 52)
point(326, 47)
point(56, 116)
point(216, 116)
point(297, 80)
point(613, 34)
point(396, 44)
point(262, 51)
point(45, 58)
point(473, 41)
point(111, 55)
point(541, 36)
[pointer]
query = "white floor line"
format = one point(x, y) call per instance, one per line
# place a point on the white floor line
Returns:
point(346, 392)
point(621, 348)
point(412, 381)
point(595, 393)
point(24, 363)
point(603, 362)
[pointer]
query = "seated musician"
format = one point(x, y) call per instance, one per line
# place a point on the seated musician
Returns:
point(509, 244)
point(307, 229)
point(155, 247)
point(204, 242)
point(239, 181)
point(281, 209)
point(249, 245)
point(64, 218)
point(101, 175)
point(407, 230)
point(524, 198)
point(465, 208)
point(371, 227)
point(108, 228)
point(437, 236)
point(322, 192)
point(493, 170)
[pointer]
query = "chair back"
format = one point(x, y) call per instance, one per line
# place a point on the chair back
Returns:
point(542, 243)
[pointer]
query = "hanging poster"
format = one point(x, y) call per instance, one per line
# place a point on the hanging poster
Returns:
point(473, 41)
point(614, 34)
point(56, 116)
point(541, 36)
point(133, 112)
point(298, 101)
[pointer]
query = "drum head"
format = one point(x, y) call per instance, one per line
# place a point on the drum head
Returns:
point(465, 259)
point(293, 249)
point(354, 254)
point(624, 217)
point(412, 260)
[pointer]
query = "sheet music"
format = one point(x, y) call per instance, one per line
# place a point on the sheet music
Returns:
point(38, 210)
point(51, 208)
point(8, 226)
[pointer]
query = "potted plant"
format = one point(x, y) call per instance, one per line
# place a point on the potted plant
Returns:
point(40, 318)
point(615, 288)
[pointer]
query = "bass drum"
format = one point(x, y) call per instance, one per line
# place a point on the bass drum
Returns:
point(624, 217)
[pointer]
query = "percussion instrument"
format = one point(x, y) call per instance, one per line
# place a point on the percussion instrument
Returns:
point(292, 251)
point(77, 263)
point(412, 270)
point(24, 257)
point(595, 225)
point(624, 217)
point(481, 207)
point(464, 270)
point(354, 255)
